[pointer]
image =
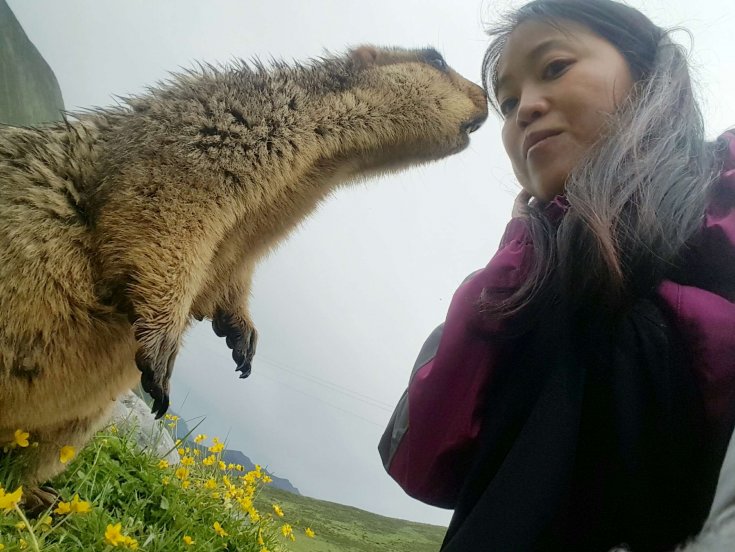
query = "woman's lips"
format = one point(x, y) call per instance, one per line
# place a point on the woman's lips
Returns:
point(538, 139)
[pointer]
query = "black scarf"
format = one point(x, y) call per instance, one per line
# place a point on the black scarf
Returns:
point(590, 443)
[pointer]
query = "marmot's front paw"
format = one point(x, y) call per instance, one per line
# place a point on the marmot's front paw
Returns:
point(240, 336)
point(155, 369)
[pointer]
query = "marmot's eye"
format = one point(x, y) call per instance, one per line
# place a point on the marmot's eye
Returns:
point(438, 62)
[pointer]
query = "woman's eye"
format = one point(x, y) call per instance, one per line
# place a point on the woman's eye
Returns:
point(555, 68)
point(507, 105)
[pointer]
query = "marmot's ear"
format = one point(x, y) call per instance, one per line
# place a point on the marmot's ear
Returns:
point(364, 56)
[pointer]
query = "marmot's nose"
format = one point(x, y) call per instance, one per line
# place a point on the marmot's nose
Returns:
point(473, 124)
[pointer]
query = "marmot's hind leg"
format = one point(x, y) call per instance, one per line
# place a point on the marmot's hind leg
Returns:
point(37, 500)
point(43, 459)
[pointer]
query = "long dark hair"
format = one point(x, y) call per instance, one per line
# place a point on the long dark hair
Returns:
point(640, 192)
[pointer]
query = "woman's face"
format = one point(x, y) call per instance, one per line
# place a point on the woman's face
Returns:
point(556, 86)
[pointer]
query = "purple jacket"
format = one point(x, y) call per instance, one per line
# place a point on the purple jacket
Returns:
point(430, 438)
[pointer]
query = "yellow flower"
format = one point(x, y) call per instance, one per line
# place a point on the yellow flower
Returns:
point(267, 479)
point(163, 464)
point(254, 515)
point(113, 429)
point(63, 508)
point(181, 473)
point(76, 506)
point(171, 417)
point(264, 549)
point(188, 540)
point(185, 484)
point(217, 446)
point(261, 542)
point(218, 529)
point(287, 530)
point(48, 520)
point(199, 438)
point(211, 484)
point(20, 438)
point(113, 534)
point(23, 544)
point(67, 453)
point(20, 525)
point(309, 533)
point(209, 460)
point(277, 510)
point(2, 546)
point(8, 501)
point(165, 480)
point(79, 506)
point(222, 465)
point(130, 542)
point(187, 461)
point(181, 451)
point(197, 452)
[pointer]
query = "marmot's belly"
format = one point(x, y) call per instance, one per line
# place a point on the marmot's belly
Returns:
point(77, 379)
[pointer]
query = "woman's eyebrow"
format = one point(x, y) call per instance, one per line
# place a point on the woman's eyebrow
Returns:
point(537, 51)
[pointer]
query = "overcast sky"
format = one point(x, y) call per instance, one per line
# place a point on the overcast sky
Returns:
point(344, 305)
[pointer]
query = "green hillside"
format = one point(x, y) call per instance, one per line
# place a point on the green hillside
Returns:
point(341, 528)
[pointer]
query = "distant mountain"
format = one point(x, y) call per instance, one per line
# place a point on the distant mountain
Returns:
point(29, 91)
point(229, 456)
point(237, 457)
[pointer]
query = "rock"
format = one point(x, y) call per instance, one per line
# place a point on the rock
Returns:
point(131, 413)
point(30, 91)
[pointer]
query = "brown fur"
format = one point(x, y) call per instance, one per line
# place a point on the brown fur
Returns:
point(119, 227)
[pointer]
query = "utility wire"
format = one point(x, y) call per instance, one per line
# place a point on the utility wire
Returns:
point(320, 400)
point(334, 386)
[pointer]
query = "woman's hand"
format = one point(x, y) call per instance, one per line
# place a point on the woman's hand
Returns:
point(520, 205)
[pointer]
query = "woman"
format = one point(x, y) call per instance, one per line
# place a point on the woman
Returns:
point(581, 392)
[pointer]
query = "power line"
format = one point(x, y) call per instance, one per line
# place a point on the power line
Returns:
point(261, 374)
point(334, 386)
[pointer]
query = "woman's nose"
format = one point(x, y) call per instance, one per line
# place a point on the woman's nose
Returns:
point(532, 106)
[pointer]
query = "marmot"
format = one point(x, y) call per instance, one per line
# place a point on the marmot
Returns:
point(120, 225)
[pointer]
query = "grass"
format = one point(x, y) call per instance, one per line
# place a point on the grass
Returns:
point(115, 497)
point(342, 528)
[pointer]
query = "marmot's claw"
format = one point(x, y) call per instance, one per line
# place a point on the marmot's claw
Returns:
point(156, 389)
point(217, 327)
point(160, 406)
point(37, 500)
point(240, 336)
point(243, 365)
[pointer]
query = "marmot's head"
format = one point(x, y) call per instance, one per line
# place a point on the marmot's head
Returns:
point(399, 106)
point(426, 108)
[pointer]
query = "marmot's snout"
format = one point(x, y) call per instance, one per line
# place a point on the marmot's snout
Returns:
point(471, 126)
